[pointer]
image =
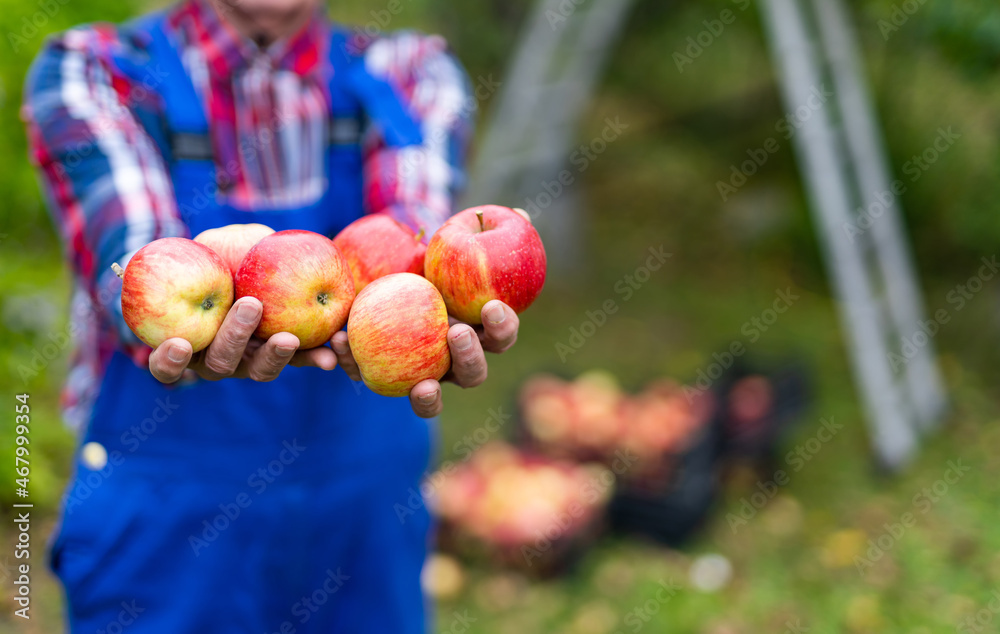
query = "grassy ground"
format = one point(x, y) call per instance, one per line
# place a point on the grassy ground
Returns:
point(795, 560)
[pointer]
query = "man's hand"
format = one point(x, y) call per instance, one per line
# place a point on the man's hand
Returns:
point(233, 353)
point(468, 361)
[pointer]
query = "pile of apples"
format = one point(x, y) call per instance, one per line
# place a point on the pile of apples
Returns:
point(394, 293)
point(592, 418)
point(509, 500)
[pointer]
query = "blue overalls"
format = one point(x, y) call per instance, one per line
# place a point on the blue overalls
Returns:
point(234, 506)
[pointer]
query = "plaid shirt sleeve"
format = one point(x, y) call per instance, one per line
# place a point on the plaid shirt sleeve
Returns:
point(105, 179)
point(418, 185)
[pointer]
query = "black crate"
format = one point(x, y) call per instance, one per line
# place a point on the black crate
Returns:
point(674, 508)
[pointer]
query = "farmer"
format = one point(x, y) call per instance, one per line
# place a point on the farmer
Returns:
point(228, 491)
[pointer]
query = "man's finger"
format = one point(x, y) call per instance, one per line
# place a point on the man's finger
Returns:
point(168, 361)
point(272, 357)
point(322, 357)
point(500, 324)
point(425, 398)
point(468, 362)
point(224, 353)
point(344, 357)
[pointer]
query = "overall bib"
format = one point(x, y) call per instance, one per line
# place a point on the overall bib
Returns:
point(245, 507)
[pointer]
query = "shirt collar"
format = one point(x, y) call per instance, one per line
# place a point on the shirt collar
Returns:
point(227, 51)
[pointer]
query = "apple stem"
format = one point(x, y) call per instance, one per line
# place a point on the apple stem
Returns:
point(119, 271)
point(479, 214)
point(420, 235)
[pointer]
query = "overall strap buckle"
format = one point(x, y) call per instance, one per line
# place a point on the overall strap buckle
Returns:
point(342, 132)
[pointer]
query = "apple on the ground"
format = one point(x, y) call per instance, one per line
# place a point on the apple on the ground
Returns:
point(506, 497)
point(750, 401)
point(485, 253)
point(398, 332)
point(442, 577)
point(378, 245)
point(232, 242)
point(303, 282)
point(530, 495)
point(457, 493)
point(175, 287)
point(598, 398)
point(547, 409)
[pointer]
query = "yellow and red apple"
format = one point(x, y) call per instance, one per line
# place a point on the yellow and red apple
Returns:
point(521, 497)
point(548, 409)
point(484, 253)
point(598, 400)
point(175, 287)
point(303, 282)
point(398, 332)
point(232, 242)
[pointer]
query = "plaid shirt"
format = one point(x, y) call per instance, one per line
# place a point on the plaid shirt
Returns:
point(95, 136)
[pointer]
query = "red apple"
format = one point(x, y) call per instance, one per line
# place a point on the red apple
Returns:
point(457, 493)
point(378, 245)
point(750, 401)
point(548, 409)
point(533, 496)
point(303, 282)
point(484, 253)
point(598, 399)
point(492, 456)
point(175, 287)
point(663, 420)
point(398, 331)
point(233, 242)
point(653, 426)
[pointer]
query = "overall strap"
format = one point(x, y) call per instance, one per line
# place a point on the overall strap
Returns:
point(382, 105)
point(187, 125)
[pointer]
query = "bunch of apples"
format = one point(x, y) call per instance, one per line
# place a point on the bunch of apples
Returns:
point(592, 418)
point(505, 497)
point(394, 293)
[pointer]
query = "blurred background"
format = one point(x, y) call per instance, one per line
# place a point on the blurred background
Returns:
point(836, 545)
